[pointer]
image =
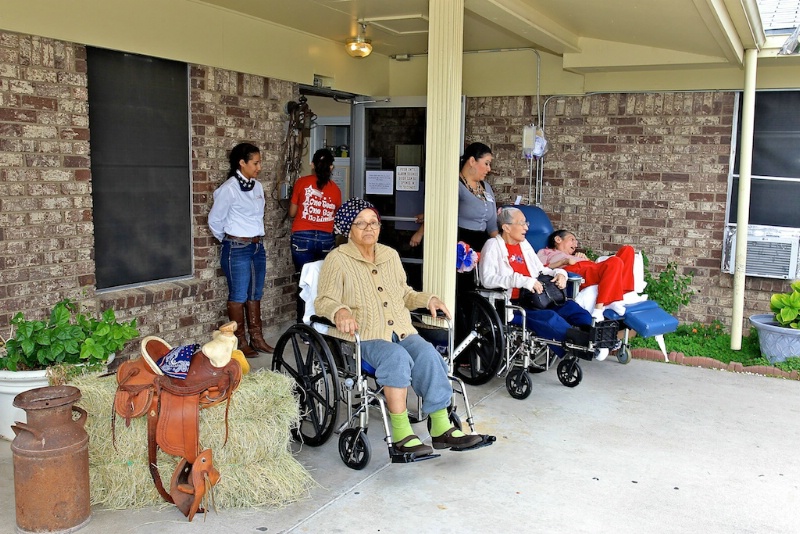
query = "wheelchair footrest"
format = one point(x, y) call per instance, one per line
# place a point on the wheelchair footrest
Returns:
point(485, 441)
point(604, 334)
point(408, 457)
point(646, 318)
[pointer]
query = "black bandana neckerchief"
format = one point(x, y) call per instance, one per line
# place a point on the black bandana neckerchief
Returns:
point(245, 184)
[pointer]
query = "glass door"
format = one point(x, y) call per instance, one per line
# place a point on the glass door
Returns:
point(388, 168)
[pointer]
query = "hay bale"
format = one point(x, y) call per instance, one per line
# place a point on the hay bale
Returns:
point(256, 464)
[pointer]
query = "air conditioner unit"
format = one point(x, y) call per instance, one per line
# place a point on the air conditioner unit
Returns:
point(769, 256)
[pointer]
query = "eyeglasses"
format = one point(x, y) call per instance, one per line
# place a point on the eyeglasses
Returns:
point(363, 225)
point(523, 223)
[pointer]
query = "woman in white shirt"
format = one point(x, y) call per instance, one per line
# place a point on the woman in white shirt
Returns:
point(237, 220)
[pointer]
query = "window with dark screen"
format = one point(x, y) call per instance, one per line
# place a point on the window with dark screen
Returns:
point(140, 157)
point(775, 184)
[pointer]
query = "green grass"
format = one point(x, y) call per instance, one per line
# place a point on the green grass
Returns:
point(712, 341)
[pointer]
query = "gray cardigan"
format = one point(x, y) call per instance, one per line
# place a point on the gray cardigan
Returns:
point(474, 213)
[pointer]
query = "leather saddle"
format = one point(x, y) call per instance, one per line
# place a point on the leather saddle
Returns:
point(173, 409)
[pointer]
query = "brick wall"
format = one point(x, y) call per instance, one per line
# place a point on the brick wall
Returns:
point(649, 170)
point(46, 228)
point(45, 192)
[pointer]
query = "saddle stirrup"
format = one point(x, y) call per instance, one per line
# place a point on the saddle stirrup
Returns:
point(191, 482)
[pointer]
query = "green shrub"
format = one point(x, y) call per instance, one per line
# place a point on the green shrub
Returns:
point(68, 337)
point(669, 289)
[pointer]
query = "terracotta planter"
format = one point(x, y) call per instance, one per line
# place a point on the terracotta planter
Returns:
point(13, 383)
point(777, 342)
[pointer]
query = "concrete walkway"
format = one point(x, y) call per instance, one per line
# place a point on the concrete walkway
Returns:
point(646, 447)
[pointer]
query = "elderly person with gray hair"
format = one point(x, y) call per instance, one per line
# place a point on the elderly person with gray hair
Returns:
point(362, 287)
point(509, 262)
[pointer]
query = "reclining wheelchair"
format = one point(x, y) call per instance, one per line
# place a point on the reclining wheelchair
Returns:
point(329, 371)
point(507, 348)
point(512, 350)
point(526, 353)
point(644, 317)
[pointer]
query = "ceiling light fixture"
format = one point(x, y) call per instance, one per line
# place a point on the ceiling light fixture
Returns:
point(360, 46)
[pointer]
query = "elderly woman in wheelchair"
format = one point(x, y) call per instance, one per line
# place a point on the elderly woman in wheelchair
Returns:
point(508, 262)
point(362, 290)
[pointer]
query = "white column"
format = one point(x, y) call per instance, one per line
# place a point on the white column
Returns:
point(445, 50)
point(743, 210)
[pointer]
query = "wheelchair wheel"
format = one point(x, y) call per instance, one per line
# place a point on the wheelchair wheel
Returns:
point(354, 448)
point(478, 362)
point(519, 384)
point(569, 372)
point(624, 354)
point(312, 368)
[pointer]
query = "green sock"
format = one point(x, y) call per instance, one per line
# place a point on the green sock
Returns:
point(440, 423)
point(401, 428)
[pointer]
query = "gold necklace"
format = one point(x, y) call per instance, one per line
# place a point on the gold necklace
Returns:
point(479, 191)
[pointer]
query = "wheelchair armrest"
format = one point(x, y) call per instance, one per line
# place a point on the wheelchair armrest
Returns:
point(420, 313)
point(426, 311)
point(574, 277)
point(322, 320)
point(490, 289)
point(574, 282)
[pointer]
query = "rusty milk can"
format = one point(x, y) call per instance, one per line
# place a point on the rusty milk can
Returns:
point(51, 461)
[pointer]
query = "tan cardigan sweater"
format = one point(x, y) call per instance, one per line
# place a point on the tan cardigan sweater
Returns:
point(375, 293)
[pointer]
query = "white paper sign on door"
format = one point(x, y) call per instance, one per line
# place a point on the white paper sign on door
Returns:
point(380, 182)
point(407, 178)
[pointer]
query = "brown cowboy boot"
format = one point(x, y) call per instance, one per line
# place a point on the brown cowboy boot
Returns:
point(254, 327)
point(236, 313)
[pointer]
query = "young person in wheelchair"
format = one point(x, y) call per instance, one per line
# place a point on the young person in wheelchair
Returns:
point(509, 262)
point(362, 287)
point(613, 276)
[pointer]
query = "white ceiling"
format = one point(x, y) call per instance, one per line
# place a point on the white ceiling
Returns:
point(716, 29)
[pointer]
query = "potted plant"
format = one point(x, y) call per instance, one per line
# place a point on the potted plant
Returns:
point(779, 332)
point(68, 338)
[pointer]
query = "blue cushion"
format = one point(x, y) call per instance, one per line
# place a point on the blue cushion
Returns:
point(539, 226)
point(646, 318)
point(367, 368)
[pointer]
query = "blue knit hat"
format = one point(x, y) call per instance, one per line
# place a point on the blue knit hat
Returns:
point(347, 213)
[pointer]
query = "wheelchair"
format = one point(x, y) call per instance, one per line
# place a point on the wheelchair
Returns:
point(330, 373)
point(525, 353)
point(494, 346)
point(508, 349)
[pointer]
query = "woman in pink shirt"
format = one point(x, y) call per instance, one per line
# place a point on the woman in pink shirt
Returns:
point(613, 276)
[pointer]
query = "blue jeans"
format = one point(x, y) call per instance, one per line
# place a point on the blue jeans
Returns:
point(410, 361)
point(310, 245)
point(553, 323)
point(245, 267)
